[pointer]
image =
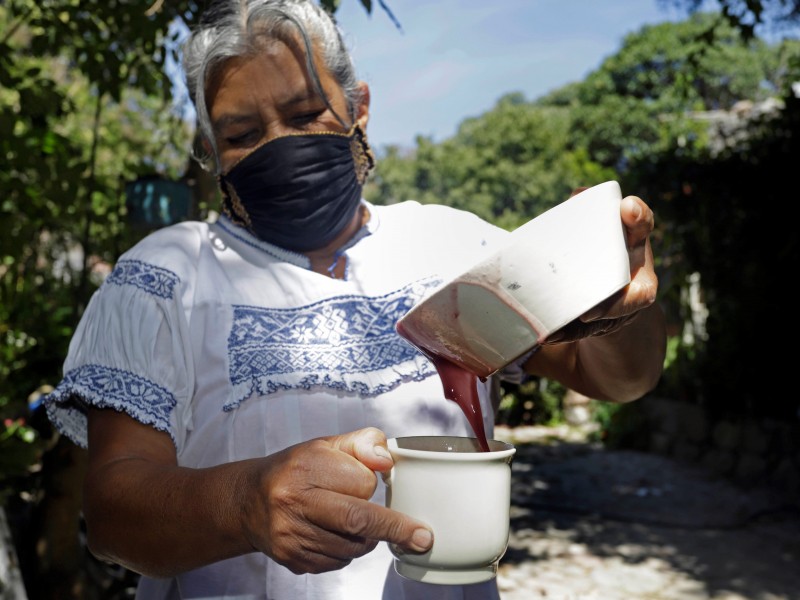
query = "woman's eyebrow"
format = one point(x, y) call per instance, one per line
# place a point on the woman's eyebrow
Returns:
point(226, 120)
point(301, 97)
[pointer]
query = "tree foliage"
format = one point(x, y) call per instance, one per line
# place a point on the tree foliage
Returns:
point(643, 99)
point(506, 166)
point(774, 17)
point(85, 106)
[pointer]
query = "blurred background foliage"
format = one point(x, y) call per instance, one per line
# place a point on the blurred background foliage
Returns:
point(701, 118)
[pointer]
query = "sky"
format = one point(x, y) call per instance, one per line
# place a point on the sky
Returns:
point(454, 59)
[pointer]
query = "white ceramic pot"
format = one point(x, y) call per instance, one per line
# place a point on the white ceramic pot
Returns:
point(553, 269)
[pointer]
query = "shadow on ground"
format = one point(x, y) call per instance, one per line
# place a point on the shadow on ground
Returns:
point(590, 523)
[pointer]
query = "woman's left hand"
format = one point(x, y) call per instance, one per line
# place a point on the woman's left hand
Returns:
point(619, 309)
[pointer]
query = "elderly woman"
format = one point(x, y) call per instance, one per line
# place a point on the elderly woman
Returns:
point(235, 381)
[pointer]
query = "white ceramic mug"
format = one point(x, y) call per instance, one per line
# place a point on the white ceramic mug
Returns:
point(553, 269)
point(463, 494)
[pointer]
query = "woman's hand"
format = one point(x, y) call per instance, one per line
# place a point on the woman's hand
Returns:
point(615, 351)
point(308, 506)
point(618, 310)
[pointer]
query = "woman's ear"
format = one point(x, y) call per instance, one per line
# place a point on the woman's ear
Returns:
point(362, 108)
point(201, 147)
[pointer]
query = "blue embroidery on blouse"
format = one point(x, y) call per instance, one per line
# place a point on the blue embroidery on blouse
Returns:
point(102, 386)
point(150, 278)
point(329, 343)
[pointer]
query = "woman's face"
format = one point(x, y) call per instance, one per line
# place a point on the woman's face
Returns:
point(254, 99)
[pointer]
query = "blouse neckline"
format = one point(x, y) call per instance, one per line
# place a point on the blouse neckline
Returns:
point(295, 258)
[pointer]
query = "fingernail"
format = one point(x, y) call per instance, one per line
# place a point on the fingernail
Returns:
point(422, 539)
point(591, 315)
point(637, 210)
point(382, 452)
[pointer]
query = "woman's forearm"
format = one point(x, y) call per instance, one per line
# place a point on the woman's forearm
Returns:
point(159, 519)
point(620, 366)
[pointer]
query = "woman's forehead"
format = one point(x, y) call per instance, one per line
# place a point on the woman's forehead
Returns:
point(277, 63)
point(276, 71)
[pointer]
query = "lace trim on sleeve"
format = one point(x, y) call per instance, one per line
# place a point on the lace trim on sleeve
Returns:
point(106, 387)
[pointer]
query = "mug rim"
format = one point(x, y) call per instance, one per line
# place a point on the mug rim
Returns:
point(498, 448)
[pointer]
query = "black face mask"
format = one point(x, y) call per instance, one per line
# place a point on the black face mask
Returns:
point(299, 191)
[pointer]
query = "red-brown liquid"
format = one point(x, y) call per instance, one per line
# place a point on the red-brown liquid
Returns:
point(459, 385)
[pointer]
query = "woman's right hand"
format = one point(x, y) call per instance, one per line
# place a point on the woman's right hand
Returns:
point(308, 506)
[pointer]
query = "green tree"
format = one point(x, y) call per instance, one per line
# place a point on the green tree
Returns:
point(85, 105)
point(643, 101)
point(507, 165)
point(69, 150)
point(774, 17)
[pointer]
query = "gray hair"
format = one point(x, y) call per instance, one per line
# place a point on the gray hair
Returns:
point(234, 28)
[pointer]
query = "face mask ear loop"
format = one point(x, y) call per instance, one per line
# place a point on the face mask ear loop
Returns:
point(232, 206)
point(363, 157)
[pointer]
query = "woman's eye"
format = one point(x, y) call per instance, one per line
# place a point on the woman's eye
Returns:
point(307, 118)
point(242, 139)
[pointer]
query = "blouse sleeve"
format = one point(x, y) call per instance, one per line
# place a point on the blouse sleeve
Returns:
point(129, 353)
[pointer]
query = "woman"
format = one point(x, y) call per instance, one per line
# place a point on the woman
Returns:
point(235, 382)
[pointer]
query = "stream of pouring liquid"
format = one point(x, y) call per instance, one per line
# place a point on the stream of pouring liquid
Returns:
point(460, 386)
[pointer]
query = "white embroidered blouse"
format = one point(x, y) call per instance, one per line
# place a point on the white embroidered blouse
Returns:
point(236, 349)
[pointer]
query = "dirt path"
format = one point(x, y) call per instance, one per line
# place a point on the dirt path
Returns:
point(594, 524)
